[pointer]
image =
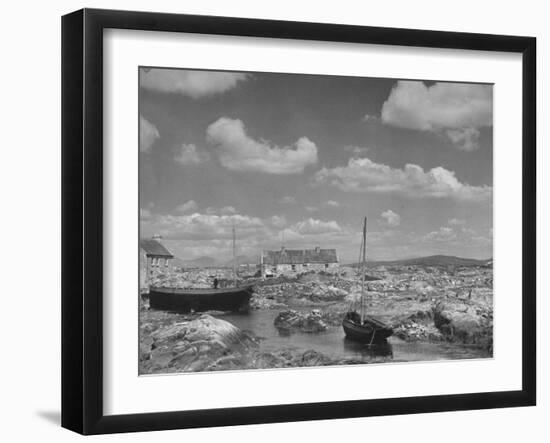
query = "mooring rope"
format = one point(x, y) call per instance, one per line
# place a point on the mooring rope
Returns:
point(372, 338)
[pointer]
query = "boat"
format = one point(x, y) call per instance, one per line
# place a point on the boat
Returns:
point(358, 326)
point(234, 298)
point(200, 299)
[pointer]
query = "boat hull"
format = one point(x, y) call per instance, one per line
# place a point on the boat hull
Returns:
point(371, 331)
point(187, 300)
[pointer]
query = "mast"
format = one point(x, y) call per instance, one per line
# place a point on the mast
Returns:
point(363, 264)
point(234, 260)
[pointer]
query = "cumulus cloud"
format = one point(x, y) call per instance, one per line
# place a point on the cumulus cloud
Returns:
point(239, 152)
point(332, 204)
point(457, 235)
point(148, 134)
point(278, 221)
point(287, 200)
point(198, 226)
point(466, 139)
point(364, 175)
point(370, 118)
point(312, 208)
point(455, 109)
point(443, 234)
point(456, 222)
point(188, 206)
point(390, 218)
point(188, 154)
point(194, 84)
point(314, 226)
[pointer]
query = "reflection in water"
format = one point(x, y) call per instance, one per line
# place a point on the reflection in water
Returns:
point(381, 349)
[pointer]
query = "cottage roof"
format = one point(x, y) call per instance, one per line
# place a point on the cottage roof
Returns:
point(154, 248)
point(300, 256)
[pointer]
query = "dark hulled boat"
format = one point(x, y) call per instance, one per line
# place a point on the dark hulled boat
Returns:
point(371, 330)
point(357, 325)
point(187, 300)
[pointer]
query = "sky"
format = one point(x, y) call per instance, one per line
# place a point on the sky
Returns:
point(300, 159)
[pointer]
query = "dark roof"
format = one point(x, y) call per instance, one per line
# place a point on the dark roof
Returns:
point(300, 256)
point(153, 248)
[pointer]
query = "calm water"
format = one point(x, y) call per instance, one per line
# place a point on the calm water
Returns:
point(333, 342)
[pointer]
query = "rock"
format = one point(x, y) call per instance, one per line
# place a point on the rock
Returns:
point(203, 343)
point(291, 320)
point(464, 321)
point(314, 358)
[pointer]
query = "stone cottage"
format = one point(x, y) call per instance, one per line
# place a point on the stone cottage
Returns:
point(283, 261)
point(154, 260)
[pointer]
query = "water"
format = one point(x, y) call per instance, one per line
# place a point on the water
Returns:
point(334, 344)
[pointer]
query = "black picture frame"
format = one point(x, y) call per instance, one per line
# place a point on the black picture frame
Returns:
point(82, 220)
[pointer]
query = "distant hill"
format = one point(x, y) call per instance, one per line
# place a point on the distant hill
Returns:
point(242, 260)
point(199, 262)
point(211, 262)
point(432, 260)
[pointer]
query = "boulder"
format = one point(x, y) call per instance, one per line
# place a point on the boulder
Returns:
point(203, 343)
point(290, 320)
point(463, 321)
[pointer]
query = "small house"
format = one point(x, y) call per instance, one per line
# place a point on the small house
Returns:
point(154, 260)
point(297, 260)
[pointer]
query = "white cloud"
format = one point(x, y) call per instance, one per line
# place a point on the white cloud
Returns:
point(194, 84)
point(456, 222)
point(252, 232)
point(144, 214)
point(287, 200)
point(314, 226)
point(443, 234)
point(370, 118)
point(466, 139)
point(198, 226)
point(456, 234)
point(364, 175)
point(148, 134)
point(278, 221)
point(312, 208)
point(390, 218)
point(188, 154)
point(188, 206)
point(332, 204)
point(239, 152)
point(454, 109)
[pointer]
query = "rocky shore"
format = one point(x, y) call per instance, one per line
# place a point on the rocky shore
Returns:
point(422, 304)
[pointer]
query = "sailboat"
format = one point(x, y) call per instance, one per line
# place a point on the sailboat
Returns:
point(234, 298)
point(357, 325)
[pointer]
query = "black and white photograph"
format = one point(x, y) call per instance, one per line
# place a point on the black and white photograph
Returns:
point(291, 220)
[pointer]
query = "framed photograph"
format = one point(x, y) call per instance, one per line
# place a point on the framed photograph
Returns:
point(270, 221)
